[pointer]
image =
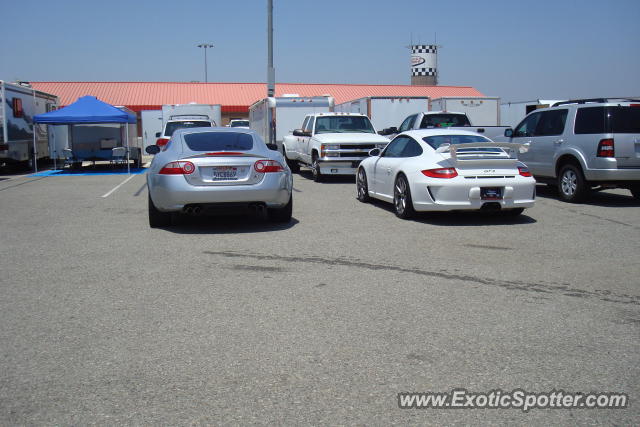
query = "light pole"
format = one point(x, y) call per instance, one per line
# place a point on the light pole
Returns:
point(205, 46)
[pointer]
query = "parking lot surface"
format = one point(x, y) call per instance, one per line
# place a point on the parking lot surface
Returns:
point(324, 320)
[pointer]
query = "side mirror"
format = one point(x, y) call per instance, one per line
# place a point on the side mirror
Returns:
point(375, 152)
point(299, 132)
point(508, 133)
point(273, 147)
point(157, 134)
point(152, 149)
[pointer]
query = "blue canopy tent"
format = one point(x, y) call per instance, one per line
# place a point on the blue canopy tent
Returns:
point(88, 110)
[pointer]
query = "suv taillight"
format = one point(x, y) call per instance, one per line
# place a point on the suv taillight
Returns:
point(606, 148)
point(264, 166)
point(178, 168)
point(161, 142)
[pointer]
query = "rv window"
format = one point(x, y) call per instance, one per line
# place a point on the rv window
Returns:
point(17, 107)
point(173, 126)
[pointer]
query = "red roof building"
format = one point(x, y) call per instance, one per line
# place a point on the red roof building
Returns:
point(234, 97)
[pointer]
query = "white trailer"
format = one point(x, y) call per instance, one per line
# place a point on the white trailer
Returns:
point(151, 125)
point(511, 113)
point(385, 111)
point(481, 111)
point(275, 117)
point(174, 112)
point(18, 105)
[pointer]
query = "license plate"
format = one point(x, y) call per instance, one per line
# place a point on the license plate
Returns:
point(491, 193)
point(224, 172)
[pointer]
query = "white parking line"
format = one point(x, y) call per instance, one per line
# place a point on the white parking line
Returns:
point(117, 186)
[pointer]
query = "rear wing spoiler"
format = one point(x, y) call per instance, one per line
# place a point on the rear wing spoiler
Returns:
point(480, 152)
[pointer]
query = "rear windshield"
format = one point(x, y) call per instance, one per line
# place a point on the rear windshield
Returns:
point(436, 141)
point(174, 126)
point(443, 120)
point(218, 141)
point(590, 120)
point(237, 123)
point(343, 124)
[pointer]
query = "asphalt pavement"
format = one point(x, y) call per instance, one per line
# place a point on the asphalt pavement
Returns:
point(232, 320)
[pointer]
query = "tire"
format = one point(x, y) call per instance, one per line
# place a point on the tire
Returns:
point(293, 164)
point(635, 191)
point(402, 203)
point(281, 214)
point(158, 218)
point(513, 212)
point(572, 186)
point(362, 187)
point(315, 169)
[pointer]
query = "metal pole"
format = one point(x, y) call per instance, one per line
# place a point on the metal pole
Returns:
point(271, 72)
point(205, 46)
point(126, 127)
point(205, 65)
point(33, 119)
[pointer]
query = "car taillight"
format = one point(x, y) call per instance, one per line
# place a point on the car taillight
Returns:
point(178, 168)
point(441, 173)
point(264, 166)
point(606, 148)
point(161, 142)
point(524, 171)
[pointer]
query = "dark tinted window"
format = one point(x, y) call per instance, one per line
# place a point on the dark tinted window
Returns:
point(239, 123)
point(309, 127)
point(396, 147)
point(408, 123)
point(173, 126)
point(528, 126)
point(219, 141)
point(551, 123)
point(590, 120)
point(436, 141)
point(624, 119)
point(444, 120)
point(412, 149)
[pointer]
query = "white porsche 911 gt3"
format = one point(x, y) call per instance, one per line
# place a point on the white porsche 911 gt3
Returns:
point(446, 170)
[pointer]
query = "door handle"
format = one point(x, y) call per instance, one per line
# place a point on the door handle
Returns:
point(388, 171)
point(558, 141)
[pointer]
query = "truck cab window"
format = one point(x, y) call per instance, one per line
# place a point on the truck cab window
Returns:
point(408, 123)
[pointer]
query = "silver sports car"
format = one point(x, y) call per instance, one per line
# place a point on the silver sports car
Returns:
point(217, 169)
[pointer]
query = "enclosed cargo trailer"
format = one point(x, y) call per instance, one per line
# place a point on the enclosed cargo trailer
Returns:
point(385, 111)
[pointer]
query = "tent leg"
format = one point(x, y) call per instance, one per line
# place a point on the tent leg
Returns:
point(126, 126)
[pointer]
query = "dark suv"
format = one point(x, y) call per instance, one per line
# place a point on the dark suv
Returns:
point(582, 145)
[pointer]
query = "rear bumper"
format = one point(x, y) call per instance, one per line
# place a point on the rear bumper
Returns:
point(462, 194)
point(612, 174)
point(171, 193)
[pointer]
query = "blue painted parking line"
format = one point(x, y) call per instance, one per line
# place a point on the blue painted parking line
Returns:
point(69, 172)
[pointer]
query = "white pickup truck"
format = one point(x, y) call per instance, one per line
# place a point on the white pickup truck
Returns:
point(331, 143)
point(444, 119)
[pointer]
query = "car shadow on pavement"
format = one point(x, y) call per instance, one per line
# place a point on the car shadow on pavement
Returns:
point(596, 198)
point(471, 218)
point(226, 224)
point(329, 179)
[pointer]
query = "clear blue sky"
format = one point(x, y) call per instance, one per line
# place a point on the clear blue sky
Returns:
point(517, 50)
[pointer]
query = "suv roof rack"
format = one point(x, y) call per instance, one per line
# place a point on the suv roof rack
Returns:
point(596, 100)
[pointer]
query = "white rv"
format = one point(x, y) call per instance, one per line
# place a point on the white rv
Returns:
point(511, 113)
point(385, 111)
point(274, 118)
point(481, 111)
point(19, 103)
